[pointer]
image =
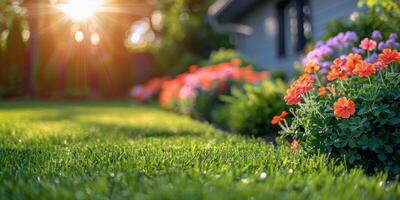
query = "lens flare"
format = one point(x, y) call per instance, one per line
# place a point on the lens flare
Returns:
point(81, 10)
point(79, 36)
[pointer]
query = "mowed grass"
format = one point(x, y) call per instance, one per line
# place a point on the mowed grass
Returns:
point(103, 150)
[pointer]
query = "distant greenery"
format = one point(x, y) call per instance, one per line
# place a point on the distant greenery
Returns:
point(119, 151)
point(381, 15)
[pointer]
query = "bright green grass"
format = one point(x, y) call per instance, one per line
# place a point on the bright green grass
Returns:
point(121, 151)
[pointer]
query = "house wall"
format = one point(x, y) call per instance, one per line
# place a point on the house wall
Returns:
point(324, 10)
point(262, 44)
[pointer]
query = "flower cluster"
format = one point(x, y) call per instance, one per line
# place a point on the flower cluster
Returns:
point(352, 110)
point(342, 68)
point(324, 53)
point(214, 79)
point(147, 91)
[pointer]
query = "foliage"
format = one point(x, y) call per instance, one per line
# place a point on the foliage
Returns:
point(355, 116)
point(385, 15)
point(198, 91)
point(119, 151)
point(249, 110)
point(226, 55)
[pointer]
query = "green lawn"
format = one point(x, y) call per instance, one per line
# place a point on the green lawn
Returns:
point(117, 150)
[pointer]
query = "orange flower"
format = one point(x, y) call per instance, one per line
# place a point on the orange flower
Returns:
point(292, 97)
point(334, 74)
point(388, 56)
point(352, 61)
point(311, 66)
point(193, 68)
point(364, 69)
point(301, 86)
point(337, 70)
point(236, 62)
point(279, 118)
point(321, 91)
point(344, 108)
point(368, 44)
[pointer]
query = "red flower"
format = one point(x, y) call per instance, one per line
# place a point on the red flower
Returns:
point(368, 44)
point(311, 66)
point(388, 56)
point(364, 69)
point(344, 108)
point(279, 118)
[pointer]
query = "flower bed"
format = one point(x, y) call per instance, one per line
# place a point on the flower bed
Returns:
point(148, 91)
point(198, 91)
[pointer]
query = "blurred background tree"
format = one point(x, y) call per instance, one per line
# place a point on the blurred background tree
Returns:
point(182, 35)
point(12, 49)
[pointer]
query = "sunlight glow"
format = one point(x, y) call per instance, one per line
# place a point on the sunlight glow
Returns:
point(79, 10)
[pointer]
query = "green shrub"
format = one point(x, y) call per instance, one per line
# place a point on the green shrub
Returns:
point(226, 55)
point(250, 110)
point(355, 117)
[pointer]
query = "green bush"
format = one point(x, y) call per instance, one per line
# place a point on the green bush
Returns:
point(355, 117)
point(250, 110)
point(226, 55)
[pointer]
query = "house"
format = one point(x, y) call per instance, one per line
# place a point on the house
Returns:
point(274, 32)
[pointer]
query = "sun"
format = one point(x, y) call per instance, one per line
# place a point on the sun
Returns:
point(79, 10)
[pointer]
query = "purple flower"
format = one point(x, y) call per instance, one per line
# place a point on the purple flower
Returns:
point(377, 35)
point(319, 44)
point(357, 50)
point(372, 58)
point(393, 36)
point(381, 45)
point(343, 57)
point(326, 64)
point(390, 42)
point(396, 45)
point(324, 71)
point(332, 42)
point(351, 36)
point(325, 50)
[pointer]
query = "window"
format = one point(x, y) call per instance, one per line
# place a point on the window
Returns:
point(294, 26)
